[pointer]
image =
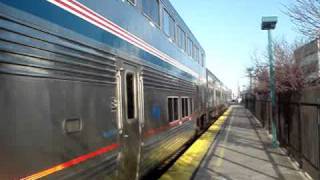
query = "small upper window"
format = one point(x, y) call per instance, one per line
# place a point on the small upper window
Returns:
point(195, 54)
point(168, 24)
point(181, 38)
point(202, 59)
point(132, 1)
point(189, 46)
point(151, 9)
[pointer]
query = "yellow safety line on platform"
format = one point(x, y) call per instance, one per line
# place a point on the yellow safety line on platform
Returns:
point(221, 151)
point(186, 165)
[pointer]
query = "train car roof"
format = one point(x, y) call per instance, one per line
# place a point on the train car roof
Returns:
point(180, 21)
point(216, 79)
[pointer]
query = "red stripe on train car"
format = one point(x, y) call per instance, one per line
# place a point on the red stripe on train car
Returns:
point(71, 163)
point(155, 131)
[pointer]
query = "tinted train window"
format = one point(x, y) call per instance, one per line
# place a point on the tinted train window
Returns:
point(132, 1)
point(130, 96)
point(173, 113)
point(181, 38)
point(185, 107)
point(196, 53)
point(168, 24)
point(189, 46)
point(175, 109)
point(191, 105)
point(170, 109)
point(202, 59)
point(218, 93)
point(151, 9)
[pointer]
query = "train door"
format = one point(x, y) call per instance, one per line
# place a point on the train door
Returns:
point(131, 120)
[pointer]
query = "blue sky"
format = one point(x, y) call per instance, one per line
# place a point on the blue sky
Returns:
point(229, 31)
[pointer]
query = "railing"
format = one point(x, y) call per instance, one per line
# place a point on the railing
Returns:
point(298, 129)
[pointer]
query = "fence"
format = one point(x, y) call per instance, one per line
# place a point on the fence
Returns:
point(298, 130)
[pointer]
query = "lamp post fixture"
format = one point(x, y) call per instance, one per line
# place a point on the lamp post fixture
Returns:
point(269, 23)
point(249, 71)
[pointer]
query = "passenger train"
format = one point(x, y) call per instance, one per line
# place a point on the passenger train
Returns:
point(99, 89)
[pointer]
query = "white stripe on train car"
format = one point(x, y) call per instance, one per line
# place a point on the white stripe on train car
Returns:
point(98, 20)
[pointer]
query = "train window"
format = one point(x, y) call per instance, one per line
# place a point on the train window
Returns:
point(186, 101)
point(191, 105)
point(151, 9)
point(195, 53)
point(218, 93)
point(202, 59)
point(168, 24)
point(185, 107)
point(133, 2)
point(181, 38)
point(170, 109)
point(130, 96)
point(173, 105)
point(175, 109)
point(189, 46)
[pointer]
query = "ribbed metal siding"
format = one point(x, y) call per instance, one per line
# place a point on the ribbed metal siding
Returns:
point(29, 51)
point(156, 79)
point(161, 146)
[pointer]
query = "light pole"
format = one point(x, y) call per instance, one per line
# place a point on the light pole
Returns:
point(249, 70)
point(269, 23)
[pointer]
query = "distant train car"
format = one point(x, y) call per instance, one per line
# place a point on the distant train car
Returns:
point(96, 89)
point(217, 96)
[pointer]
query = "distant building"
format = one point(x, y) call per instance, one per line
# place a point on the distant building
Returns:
point(308, 57)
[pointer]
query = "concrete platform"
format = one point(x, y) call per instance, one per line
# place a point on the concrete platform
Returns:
point(243, 151)
point(235, 147)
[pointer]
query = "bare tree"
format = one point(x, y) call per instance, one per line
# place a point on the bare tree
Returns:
point(289, 76)
point(305, 14)
point(260, 73)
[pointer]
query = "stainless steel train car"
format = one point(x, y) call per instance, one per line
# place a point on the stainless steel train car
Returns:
point(97, 89)
point(218, 95)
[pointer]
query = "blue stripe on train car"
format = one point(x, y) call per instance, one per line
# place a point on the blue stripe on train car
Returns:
point(56, 15)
